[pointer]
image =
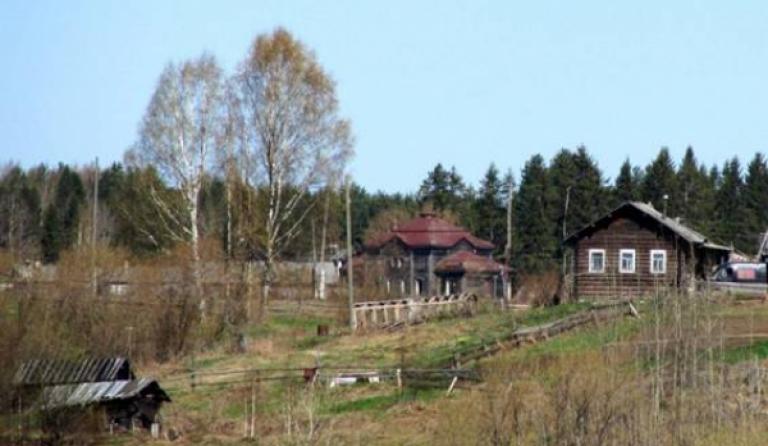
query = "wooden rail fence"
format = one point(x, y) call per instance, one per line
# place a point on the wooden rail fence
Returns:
point(384, 313)
point(530, 335)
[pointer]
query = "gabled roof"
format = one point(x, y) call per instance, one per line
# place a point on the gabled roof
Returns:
point(67, 395)
point(51, 372)
point(468, 262)
point(690, 235)
point(428, 231)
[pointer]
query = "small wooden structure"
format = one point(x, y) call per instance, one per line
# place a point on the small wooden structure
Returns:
point(635, 250)
point(383, 313)
point(104, 385)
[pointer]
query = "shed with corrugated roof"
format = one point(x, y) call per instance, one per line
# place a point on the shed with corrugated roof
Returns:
point(106, 386)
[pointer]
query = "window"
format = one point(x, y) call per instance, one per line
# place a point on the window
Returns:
point(658, 261)
point(627, 261)
point(596, 260)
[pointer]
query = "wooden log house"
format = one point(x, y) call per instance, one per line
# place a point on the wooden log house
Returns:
point(636, 250)
point(427, 256)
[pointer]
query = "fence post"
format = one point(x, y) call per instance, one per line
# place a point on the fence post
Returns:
point(456, 360)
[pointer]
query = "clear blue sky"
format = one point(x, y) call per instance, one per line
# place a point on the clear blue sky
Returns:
point(462, 83)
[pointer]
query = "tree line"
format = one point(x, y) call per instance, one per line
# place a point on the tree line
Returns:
point(556, 198)
point(46, 210)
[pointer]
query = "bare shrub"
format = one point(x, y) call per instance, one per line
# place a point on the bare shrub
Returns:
point(539, 289)
point(559, 401)
point(303, 422)
point(667, 385)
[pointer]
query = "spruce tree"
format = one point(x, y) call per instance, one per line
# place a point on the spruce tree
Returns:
point(536, 244)
point(562, 176)
point(490, 208)
point(626, 187)
point(62, 217)
point(695, 203)
point(756, 196)
point(575, 177)
point(661, 180)
point(588, 198)
point(447, 193)
point(730, 210)
point(436, 189)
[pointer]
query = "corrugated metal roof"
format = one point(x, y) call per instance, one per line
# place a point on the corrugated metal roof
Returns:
point(675, 226)
point(48, 372)
point(67, 395)
point(686, 233)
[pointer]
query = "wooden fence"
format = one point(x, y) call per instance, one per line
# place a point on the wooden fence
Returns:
point(384, 313)
point(530, 335)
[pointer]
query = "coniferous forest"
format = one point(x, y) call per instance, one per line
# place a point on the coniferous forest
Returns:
point(47, 209)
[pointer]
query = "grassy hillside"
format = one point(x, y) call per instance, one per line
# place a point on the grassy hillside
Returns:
point(676, 375)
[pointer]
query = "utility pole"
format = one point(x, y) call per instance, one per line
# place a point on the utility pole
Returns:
point(94, 228)
point(94, 223)
point(350, 269)
point(565, 224)
point(508, 246)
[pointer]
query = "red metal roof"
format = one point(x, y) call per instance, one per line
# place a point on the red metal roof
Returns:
point(465, 261)
point(429, 231)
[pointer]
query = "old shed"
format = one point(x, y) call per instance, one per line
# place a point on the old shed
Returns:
point(107, 386)
point(635, 250)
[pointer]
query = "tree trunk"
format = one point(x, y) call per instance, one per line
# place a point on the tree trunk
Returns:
point(195, 245)
point(324, 231)
point(267, 279)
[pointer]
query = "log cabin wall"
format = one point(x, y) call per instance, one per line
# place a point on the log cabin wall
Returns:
point(634, 233)
point(399, 268)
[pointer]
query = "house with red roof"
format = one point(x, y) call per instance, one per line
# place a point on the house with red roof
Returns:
point(428, 255)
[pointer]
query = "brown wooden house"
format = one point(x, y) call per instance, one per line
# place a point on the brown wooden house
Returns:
point(635, 250)
point(427, 256)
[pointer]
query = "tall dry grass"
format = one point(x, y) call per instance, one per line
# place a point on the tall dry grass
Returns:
point(663, 385)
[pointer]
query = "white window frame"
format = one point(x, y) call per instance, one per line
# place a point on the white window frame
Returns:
point(589, 261)
point(663, 252)
point(622, 270)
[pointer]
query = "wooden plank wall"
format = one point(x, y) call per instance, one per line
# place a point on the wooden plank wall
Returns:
point(625, 233)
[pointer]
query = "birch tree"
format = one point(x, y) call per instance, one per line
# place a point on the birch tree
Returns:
point(178, 137)
point(295, 140)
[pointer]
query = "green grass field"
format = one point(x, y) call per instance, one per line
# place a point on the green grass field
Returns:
point(216, 413)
